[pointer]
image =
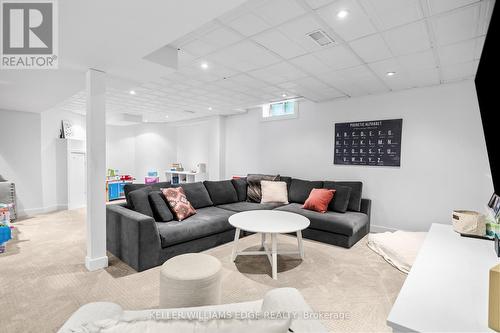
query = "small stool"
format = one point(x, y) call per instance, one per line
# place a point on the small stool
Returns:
point(192, 279)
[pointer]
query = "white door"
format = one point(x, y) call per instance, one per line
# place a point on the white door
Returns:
point(77, 191)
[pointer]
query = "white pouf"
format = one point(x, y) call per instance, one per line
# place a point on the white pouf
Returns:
point(188, 280)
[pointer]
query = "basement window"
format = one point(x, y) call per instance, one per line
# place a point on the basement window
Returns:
point(280, 110)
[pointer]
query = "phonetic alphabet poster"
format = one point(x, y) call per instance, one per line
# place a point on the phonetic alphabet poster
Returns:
point(372, 143)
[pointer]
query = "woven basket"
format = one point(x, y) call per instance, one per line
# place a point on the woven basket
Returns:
point(469, 222)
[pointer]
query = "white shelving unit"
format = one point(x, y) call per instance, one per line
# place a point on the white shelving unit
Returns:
point(185, 176)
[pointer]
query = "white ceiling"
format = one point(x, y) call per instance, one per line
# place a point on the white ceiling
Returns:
point(112, 36)
point(260, 50)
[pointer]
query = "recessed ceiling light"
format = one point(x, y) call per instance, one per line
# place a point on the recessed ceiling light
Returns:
point(209, 108)
point(342, 14)
point(132, 92)
point(391, 73)
point(284, 95)
point(166, 116)
point(204, 65)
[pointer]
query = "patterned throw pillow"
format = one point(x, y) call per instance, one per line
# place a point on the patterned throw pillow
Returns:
point(178, 202)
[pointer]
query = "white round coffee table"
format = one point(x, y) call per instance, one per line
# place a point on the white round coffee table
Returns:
point(271, 222)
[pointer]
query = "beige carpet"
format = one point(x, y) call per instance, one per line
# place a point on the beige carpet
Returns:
point(43, 279)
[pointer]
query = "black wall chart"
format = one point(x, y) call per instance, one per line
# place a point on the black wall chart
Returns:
point(374, 143)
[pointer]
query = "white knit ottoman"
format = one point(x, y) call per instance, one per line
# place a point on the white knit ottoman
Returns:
point(192, 279)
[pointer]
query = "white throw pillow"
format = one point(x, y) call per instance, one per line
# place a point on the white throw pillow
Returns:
point(273, 192)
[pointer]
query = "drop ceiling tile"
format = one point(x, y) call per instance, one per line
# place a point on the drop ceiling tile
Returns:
point(309, 64)
point(315, 4)
point(457, 53)
point(275, 12)
point(198, 48)
point(312, 83)
point(357, 24)
point(338, 57)
point(408, 39)
point(388, 14)
point(298, 31)
point(355, 81)
point(248, 24)
point(425, 77)
point(459, 71)
point(372, 48)
point(420, 60)
point(439, 6)
point(275, 41)
point(400, 80)
point(457, 26)
point(252, 54)
point(221, 37)
point(286, 70)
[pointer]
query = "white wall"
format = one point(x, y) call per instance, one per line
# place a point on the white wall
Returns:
point(20, 158)
point(155, 149)
point(120, 150)
point(54, 159)
point(444, 161)
point(202, 141)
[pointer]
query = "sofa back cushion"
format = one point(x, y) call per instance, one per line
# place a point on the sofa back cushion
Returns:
point(287, 180)
point(138, 200)
point(221, 192)
point(132, 187)
point(340, 200)
point(178, 203)
point(254, 193)
point(274, 192)
point(356, 194)
point(159, 206)
point(300, 189)
point(240, 185)
point(197, 195)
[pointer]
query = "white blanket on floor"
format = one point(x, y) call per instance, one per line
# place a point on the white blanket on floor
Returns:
point(398, 248)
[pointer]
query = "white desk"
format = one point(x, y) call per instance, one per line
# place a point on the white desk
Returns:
point(447, 288)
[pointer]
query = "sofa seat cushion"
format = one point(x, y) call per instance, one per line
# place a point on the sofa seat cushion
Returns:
point(347, 223)
point(221, 192)
point(246, 206)
point(207, 221)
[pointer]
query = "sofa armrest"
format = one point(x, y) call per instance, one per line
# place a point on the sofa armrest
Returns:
point(132, 237)
point(366, 207)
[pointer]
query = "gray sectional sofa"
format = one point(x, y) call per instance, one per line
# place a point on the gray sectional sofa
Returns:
point(143, 232)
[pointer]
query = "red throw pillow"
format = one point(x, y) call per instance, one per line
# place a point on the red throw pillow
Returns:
point(318, 200)
point(178, 202)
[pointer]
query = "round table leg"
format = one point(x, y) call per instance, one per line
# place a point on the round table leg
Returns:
point(275, 256)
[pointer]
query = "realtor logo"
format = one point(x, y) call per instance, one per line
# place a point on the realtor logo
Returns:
point(29, 34)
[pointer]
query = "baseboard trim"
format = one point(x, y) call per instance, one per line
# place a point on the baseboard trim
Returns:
point(28, 212)
point(94, 264)
point(379, 228)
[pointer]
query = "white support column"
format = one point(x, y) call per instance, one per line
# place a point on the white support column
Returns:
point(96, 171)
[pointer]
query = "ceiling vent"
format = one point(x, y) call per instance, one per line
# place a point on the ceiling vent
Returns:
point(321, 38)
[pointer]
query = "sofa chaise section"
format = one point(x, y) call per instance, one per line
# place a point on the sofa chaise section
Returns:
point(143, 243)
